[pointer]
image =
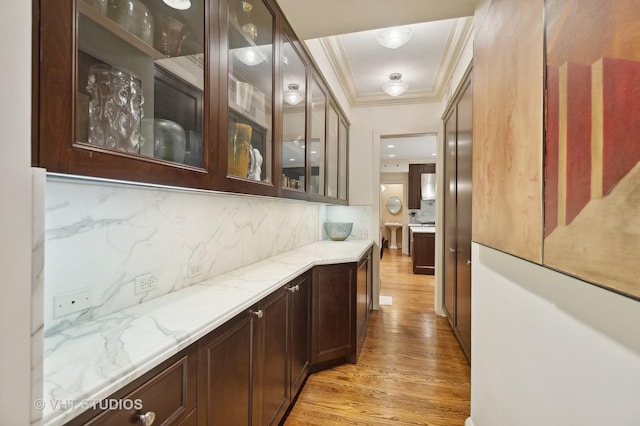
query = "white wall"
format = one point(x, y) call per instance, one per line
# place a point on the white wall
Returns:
point(548, 349)
point(15, 214)
point(368, 126)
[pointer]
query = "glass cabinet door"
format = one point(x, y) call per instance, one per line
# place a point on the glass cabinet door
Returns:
point(140, 78)
point(343, 158)
point(250, 76)
point(294, 103)
point(317, 132)
point(332, 153)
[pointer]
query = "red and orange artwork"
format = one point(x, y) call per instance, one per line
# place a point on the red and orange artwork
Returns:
point(592, 142)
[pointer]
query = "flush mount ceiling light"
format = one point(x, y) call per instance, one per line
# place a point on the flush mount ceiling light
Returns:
point(395, 86)
point(250, 56)
point(394, 37)
point(293, 96)
point(178, 4)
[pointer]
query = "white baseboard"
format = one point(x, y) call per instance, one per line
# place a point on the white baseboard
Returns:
point(468, 422)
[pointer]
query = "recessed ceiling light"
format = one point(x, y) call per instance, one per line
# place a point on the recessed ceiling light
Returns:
point(392, 155)
point(314, 152)
point(434, 154)
point(292, 159)
point(391, 146)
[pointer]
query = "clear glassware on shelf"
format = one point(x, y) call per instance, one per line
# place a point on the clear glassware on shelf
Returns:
point(125, 48)
point(115, 109)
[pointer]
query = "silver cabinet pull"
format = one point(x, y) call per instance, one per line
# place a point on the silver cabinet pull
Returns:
point(469, 262)
point(297, 287)
point(452, 250)
point(291, 289)
point(259, 313)
point(148, 418)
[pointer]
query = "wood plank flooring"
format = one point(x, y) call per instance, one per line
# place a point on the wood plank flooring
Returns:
point(411, 370)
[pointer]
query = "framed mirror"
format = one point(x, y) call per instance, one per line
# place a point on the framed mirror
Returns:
point(394, 205)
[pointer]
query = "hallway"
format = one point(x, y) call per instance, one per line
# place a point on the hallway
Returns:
point(411, 370)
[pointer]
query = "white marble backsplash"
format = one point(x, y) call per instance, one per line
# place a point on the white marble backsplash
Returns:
point(361, 216)
point(101, 236)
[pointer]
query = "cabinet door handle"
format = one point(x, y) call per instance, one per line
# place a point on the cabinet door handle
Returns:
point(297, 287)
point(451, 250)
point(148, 418)
point(259, 313)
point(291, 289)
point(469, 262)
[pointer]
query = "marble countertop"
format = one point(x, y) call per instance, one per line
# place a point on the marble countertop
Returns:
point(423, 229)
point(91, 361)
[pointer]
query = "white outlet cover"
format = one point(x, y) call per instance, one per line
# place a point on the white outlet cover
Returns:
point(195, 269)
point(71, 302)
point(144, 283)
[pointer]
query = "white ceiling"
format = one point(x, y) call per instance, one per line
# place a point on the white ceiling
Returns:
point(322, 18)
point(347, 31)
point(408, 147)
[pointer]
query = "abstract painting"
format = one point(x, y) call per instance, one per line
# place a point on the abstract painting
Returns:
point(592, 142)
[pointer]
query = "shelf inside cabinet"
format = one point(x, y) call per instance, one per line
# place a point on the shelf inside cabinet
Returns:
point(238, 38)
point(116, 29)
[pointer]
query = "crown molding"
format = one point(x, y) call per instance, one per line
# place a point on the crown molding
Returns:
point(459, 34)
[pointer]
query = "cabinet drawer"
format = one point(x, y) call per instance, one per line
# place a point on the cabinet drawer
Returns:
point(169, 391)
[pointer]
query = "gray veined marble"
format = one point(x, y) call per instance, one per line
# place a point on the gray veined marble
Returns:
point(94, 359)
point(102, 237)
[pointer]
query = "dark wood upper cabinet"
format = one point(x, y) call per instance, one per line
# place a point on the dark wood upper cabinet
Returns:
point(415, 173)
point(102, 74)
point(293, 138)
point(136, 90)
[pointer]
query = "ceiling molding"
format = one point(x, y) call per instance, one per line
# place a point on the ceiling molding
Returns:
point(460, 32)
point(338, 59)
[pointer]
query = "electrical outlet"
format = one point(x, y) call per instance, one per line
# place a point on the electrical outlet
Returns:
point(195, 269)
point(145, 283)
point(71, 302)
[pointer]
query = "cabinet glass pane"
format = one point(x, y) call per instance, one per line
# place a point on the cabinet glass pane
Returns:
point(316, 155)
point(140, 78)
point(342, 160)
point(332, 154)
point(293, 119)
point(250, 90)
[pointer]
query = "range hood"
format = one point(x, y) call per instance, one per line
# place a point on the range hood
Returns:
point(428, 186)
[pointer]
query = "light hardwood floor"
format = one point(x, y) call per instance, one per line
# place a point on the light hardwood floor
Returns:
point(411, 370)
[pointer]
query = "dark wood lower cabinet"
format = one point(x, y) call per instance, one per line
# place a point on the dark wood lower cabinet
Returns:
point(250, 370)
point(270, 359)
point(224, 374)
point(333, 313)
point(299, 332)
point(168, 391)
point(424, 252)
point(340, 306)
point(364, 301)
point(243, 377)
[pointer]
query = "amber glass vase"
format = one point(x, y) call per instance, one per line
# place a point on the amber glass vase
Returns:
point(239, 147)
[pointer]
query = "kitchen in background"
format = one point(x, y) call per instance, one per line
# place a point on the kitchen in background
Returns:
point(392, 200)
point(399, 156)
